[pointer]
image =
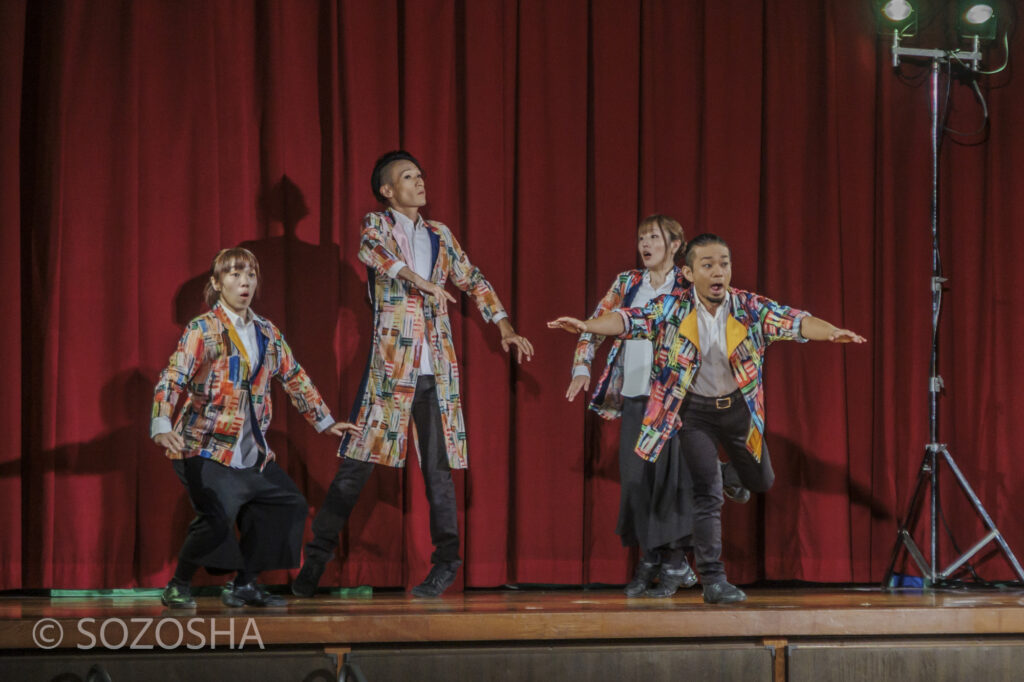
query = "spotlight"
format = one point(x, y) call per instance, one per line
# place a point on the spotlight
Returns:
point(896, 17)
point(976, 19)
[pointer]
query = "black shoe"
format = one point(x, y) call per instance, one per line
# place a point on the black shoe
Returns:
point(439, 579)
point(645, 573)
point(249, 595)
point(671, 579)
point(177, 595)
point(734, 491)
point(723, 593)
point(308, 578)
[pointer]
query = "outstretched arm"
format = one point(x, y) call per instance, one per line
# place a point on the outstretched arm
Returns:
point(609, 324)
point(816, 329)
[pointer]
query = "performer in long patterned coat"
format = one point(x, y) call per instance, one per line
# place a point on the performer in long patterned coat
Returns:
point(412, 372)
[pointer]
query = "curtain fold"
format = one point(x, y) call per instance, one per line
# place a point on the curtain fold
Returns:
point(142, 137)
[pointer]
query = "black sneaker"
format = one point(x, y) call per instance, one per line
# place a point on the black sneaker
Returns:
point(642, 578)
point(177, 595)
point(732, 488)
point(723, 593)
point(249, 595)
point(439, 579)
point(671, 579)
point(306, 581)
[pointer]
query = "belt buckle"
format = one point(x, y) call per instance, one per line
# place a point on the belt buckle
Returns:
point(723, 403)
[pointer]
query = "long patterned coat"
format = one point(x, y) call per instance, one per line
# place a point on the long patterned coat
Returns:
point(670, 321)
point(402, 321)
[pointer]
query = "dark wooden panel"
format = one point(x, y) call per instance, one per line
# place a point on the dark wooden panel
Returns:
point(935, 661)
point(608, 663)
point(309, 666)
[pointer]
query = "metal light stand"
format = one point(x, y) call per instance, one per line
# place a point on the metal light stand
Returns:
point(928, 475)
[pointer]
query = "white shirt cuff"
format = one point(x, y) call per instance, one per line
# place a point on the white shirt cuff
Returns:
point(580, 371)
point(499, 317)
point(396, 268)
point(159, 425)
point(324, 424)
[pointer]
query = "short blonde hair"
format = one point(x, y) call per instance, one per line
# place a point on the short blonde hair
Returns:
point(223, 263)
point(670, 230)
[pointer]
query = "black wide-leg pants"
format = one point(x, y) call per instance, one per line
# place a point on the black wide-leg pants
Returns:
point(267, 507)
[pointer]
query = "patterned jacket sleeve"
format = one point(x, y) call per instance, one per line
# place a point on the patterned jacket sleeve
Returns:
point(183, 365)
point(642, 323)
point(588, 343)
point(778, 322)
point(372, 251)
point(300, 388)
point(468, 277)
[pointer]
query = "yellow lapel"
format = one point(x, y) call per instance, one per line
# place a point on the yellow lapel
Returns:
point(233, 334)
point(688, 328)
point(735, 332)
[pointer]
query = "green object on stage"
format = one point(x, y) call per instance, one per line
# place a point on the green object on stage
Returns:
point(362, 592)
point(146, 592)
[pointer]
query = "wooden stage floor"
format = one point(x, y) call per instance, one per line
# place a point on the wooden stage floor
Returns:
point(537, 615)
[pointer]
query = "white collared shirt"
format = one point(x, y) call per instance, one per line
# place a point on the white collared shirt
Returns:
point(638, 354)
point(418, 235)
point(246, 450)
point(422, 256)
point(714, 378)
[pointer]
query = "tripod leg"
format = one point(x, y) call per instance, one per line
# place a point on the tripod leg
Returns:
point(910, 519)
point(978, 507)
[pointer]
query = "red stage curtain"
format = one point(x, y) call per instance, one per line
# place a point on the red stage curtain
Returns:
point(141, 137)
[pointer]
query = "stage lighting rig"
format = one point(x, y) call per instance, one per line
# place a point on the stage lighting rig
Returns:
point(975, 21)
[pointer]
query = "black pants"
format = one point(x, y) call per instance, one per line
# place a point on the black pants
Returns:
point(437, 478)
point(269, 510)
point(656, 502)
point(704, 428)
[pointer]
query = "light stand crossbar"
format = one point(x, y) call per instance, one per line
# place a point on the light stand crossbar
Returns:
point(935, 452)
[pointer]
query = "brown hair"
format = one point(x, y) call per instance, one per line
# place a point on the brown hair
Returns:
point(670, 230)
point(223, 263)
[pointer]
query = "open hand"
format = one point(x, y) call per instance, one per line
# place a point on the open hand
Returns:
point(521, 343)
point(846, 336)
point(569, 324)
point(171, 440)
point(578, 383)
point(438, 293)
point(341, 428)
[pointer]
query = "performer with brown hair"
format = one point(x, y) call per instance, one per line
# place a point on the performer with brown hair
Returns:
point(223, 366)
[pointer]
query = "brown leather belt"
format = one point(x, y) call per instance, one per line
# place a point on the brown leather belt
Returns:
point(720, 403)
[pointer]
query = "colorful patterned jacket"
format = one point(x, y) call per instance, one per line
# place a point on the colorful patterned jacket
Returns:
point(402, 321)
point(670, 321)
point(607, 395)
point(211, 367)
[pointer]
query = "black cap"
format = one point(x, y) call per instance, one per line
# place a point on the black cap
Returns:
point(375, 178)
